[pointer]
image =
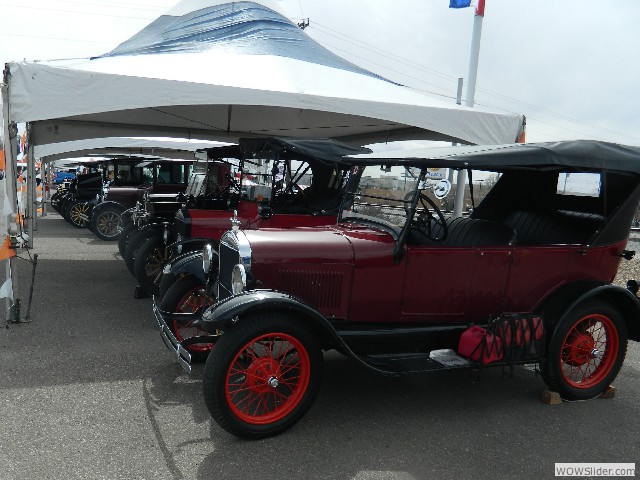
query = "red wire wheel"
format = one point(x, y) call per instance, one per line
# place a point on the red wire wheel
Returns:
point(586, 351)
point(189, 303)
point(186, 295)
point(263, 375)
point(589, 351)
point(267, 378)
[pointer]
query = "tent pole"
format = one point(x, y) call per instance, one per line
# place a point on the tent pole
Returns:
point(457, 211)
point(31, 208)
point(10, 142)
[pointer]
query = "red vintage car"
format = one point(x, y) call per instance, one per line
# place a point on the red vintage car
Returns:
point(403, 288)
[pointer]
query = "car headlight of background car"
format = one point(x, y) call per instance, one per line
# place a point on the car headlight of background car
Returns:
point(178, 244)
point(207, 258)
point(238, 279)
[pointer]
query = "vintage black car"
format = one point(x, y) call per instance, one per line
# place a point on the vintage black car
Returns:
point(132, 180)
point(84, 191)
point(402, 288)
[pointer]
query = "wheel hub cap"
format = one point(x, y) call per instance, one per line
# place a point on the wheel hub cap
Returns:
point(581, 349)
point(263, 374)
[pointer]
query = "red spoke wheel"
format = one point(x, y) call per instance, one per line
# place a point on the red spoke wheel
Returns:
point(586, 351)
point(186, 295)
point(263, 375)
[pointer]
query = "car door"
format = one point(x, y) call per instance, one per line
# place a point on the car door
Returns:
point(454, 284)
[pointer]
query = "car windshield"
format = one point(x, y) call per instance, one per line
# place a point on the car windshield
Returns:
point(381, 196)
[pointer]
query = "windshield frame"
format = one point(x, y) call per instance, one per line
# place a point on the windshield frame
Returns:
point(409, 204)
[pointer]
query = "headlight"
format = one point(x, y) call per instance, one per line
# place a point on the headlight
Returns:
point(238, 279)
point(207, 257)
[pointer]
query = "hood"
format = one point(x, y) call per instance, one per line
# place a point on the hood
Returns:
point(299, 245)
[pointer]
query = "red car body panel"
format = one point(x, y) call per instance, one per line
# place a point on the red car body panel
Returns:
point(213, 223)
point(348, 271)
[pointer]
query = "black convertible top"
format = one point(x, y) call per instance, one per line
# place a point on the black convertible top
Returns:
point(574, 155)
point(288, 148)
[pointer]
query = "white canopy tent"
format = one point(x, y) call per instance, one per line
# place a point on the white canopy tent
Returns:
point(216, 70)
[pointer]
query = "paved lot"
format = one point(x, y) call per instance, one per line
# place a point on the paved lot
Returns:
point(88, 391)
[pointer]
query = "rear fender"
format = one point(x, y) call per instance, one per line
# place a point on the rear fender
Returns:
point(621, 298)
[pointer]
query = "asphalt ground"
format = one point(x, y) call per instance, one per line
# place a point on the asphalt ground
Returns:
point(89, 391)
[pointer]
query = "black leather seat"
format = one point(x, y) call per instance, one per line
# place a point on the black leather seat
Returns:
point(466, 232)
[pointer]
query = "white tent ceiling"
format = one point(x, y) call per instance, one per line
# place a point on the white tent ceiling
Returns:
point(217, 70)
point(170, 148)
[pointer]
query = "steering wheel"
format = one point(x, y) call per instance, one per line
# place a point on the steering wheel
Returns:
point(428, 216)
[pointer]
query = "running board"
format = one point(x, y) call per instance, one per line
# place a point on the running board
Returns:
point(415, 363)
point(411, 363)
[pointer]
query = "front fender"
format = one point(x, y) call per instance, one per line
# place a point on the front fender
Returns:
point(620, 298)
point(187, 263)
point(127, 216)
point(227, 312)
point(104, 205)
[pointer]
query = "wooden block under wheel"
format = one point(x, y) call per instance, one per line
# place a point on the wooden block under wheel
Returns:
point(550, 397)
point(610, 392)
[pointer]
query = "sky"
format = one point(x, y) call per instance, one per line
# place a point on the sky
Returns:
point(567, 65)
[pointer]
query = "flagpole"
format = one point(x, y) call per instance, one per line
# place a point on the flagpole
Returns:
point(474, 55)
point(470, 96)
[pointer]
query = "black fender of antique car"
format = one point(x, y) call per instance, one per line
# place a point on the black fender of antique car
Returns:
point(228, 312)
point(623, 299)
point(127, 216)
point(105, 205)
point(190, 262)
point(158, 228)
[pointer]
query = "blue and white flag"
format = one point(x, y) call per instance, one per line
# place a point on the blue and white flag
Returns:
point(459, 3)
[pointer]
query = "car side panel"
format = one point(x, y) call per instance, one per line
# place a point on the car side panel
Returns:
point(537, 271)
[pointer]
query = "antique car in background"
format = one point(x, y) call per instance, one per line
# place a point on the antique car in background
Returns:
point(402, 289)
point(131, 181)
point(83, 192)
point(146, 228)
point(302, 185)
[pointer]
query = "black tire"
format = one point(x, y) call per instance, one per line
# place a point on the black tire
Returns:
point(579, 365)
point(133, 245)
point(65, 210)
point(105, 222)
point(259, 374)
point(186, 295)
point(148, 263)
point(126, 233)
point(75, 210)
point(62, 205)
point(55, 200)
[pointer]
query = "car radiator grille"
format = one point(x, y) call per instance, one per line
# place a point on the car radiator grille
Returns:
point(229, 257)
point(320, 289)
